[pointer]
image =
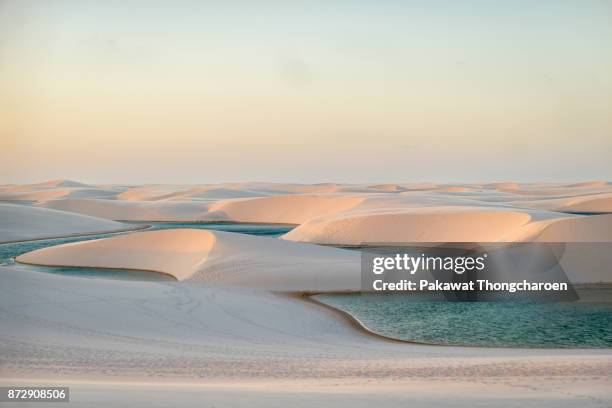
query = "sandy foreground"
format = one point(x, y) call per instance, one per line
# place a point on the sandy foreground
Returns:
point(143, 341)
point(231, 331)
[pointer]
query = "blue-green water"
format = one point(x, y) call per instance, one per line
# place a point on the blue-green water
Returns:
point(586, 323)
point(269, 230)
point(9, 251)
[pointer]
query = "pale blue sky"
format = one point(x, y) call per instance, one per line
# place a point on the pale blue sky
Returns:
point(354, 91)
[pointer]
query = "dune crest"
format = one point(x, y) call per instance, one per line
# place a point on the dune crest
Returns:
point(284, 209)
point(174, 252)
point(214, 257)
point(444, 224)
point(596, 203)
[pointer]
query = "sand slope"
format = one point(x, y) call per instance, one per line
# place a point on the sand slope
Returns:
point(134, 210)
point(596, 203)
point(21, 222)
point(174, 252)
point(596, 228)
point(291, 209)
point(250, 347)
point(331, 213)
point(214, 257)
point(431, 224)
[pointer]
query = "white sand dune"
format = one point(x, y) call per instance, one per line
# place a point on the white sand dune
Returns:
point(34, 195)
point(134, 210)
point(503, 185)
point(419, 186)
point(55, 189)
point(266, 263)
point(387, 187)
point(21, 222)
point(214, 257)
point(585, 244)
point(385, 212)
point(147, 193)
point(557, 190)
point(211, 194)
point(287, 209)
point(313, 188)
point(177, 192)
point(590, 184)
point(55, 184)
point(483, 223)
point(56, 193)
point(596, 228)
point(234, 342)
point(452, 189)
point(429, 224)
point(600, 203)
point(174, 252)
point(576, 202)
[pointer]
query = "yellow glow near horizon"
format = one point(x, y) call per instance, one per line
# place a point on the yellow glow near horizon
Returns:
point(201, 92)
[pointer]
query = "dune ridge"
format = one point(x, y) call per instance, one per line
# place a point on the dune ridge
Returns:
point(214, 257)
point(349, 214)
point(431, 224)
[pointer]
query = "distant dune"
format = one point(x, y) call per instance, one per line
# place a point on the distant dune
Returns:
point(21, 222)
point(600, 203)
point(430, 224)
point(134, 210)
point(343, 214)
point(292, 209)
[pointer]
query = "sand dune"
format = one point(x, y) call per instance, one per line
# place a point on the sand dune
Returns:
point(56, 193)
point(600, 203)
point(291, 209)
point(590, 184)
point(21, 222)
point(198, 192)
point(573, 203)
point(272, 264)
point(34, 195)
point(134, 210)
point(387, 187)
point(313, 188)
point(339, 213)
point(431, 224)
point(577, 229)
point(419, 186)
point(212, 194)
point(56, 183)
point(153, 192)
point(174, 252)
point(286, 209)
point(557, 190)
point(503, 186)
point(452, 189)
point(214, 257)
point(229, 340)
